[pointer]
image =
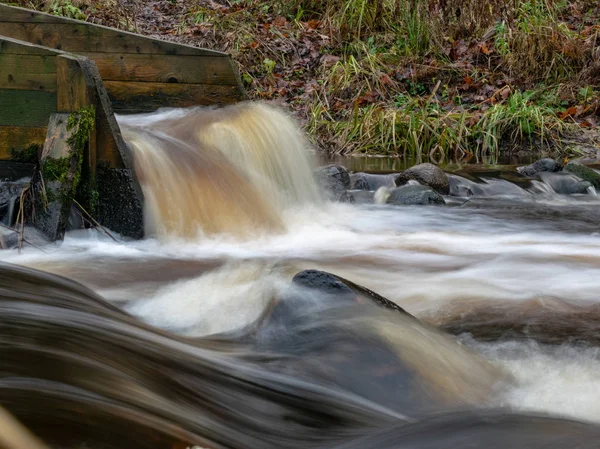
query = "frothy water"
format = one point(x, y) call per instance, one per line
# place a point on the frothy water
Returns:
point(233, 212)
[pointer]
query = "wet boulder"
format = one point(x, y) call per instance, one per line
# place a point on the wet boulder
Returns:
point(330, 284)
point(411, 195)
point(565, 184)
point(371, 182)
point(426, 174)
point(543, 165)
point(335, 179)
point(585, 173)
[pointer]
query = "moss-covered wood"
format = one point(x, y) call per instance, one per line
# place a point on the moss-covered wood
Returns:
point(61, 170)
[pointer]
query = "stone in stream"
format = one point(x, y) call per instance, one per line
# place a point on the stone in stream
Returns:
point(331, 284)
point(371, 182)
point(565, 183)
point(410, 195)
point(335, 179)
point(586, 173)
point(9, 194)
point(542, 165)
point(426, 174)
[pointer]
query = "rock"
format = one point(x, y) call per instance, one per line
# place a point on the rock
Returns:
point(363, 196)
point(542, 165)
point(335, 179)
point(414, 195)
point(565, 183)
point(9, 193)
point(460, 186)
point(331, 284)
point(370, 182)
point(426, 174)
point(585, 173)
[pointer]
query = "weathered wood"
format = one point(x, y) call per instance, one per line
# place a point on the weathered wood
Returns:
point(55, 143)
point(27, 72)
point(73, 91)
point(164, 69)
point(44, 29)
point(29, 108)
point(20, 138)
point(18, 47)
point(130, 97)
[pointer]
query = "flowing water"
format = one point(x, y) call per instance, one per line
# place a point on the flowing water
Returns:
point(204, 340)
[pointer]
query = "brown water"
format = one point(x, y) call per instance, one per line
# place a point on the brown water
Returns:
point(196, 336)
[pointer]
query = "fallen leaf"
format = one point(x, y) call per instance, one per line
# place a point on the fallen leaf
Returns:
point(484, 49)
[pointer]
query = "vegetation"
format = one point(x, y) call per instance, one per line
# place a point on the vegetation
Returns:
point(433, 78)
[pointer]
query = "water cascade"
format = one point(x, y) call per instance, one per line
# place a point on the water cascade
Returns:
point(229, 171)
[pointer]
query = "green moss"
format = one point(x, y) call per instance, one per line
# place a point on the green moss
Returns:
point(29, 154)
point(56, 169)
point(67, 170)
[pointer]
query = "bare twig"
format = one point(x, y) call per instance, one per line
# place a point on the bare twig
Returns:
point(94, 221)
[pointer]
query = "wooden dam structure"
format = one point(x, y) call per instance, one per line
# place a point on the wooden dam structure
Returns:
point(51, 66)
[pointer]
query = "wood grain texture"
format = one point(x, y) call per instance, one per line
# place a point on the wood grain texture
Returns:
point(19, 47)
point(27, 72)
point(19, 137)
point(165, 68)
point(73, 91)
point(81, 36)
point(28, 108)
point(130, 97)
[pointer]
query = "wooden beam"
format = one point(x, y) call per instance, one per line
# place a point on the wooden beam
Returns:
point(81, 36)
point(19, 47)
point(27, 72)
point(28, 108)
point(130, 97)
point(73, 92)
point(165, 68)
point(19, 137)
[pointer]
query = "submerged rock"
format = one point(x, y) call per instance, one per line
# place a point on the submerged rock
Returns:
point(586, 173)
point(335, 179)
point(331, 284)
point(411, 195)
point(460, 186)
point(371, 182)
point(426, 174)
point(565, 183)
point(543, 165)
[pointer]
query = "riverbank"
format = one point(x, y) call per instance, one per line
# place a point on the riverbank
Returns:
point(400, 78)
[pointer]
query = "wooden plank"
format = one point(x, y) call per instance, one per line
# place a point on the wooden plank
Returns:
point(27, 72)
point(19, 137)
point(26, 107)
point(82, 36)
point(165, 69)
point(72, 90)
point(19, 47)
point(145, 97)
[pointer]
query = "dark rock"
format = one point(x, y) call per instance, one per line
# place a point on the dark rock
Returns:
point(586, 173)
point(414, 195)
point(367, 181)
point(426, 174)
point(565, 183)
point(330, 284)
point(9, 193)
point(335, 179)
point(542, 165)
point(119, 206)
